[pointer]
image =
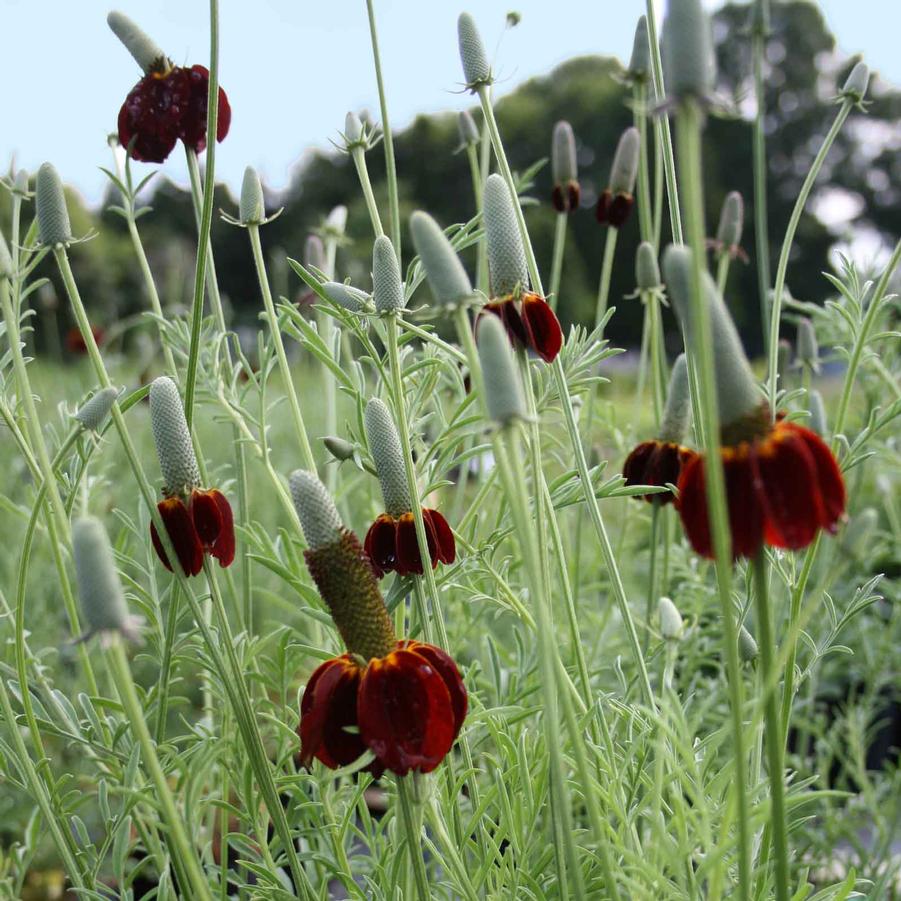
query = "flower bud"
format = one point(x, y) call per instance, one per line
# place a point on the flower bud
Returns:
point(388, 456)
point(647, 272)
point(737, 393)
point(671, 625)
point(732, 216)
point(346, 296)
point(172, 438)
point(336, 221)
point(857, 534)
point(353, 129)
point(339, 448)
point(315, 508)
point(387, 287)
point(252, 208)
point(624, 170)
point(20, 183)
point(145, 51)
point(688, 60)
point(445, 273)
point(99, 586)
point(674, 422)
point(53, 217)
point(93, 412)
point(808, 351)
point(503, 389)
point(747, 646)
point(469, 131)
point(563, 154)
point(784, 354)
point(314, 253)
point(6, 261)
point(640, 63)
point(507, 269)
point(476, 69)
point(855, 86)
point(817, 413)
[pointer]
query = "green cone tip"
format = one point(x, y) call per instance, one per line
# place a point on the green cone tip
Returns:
point(172, 438)
point(387, 454)
point(316, 510)
point(647, 272)
point(336, 221)
point(93, 412)
point(808, 349)
point(469, 131)
point(737, 392)
point(676, 413)
point(53, 216)
point(145, 51)
point(747, 646)
point(855, 86)
point(346, 296)
point(252, 208)
point(507, 269)
point(503, 389)
point(387, 287)
point(353, 129)
point(689, 63)
point(445, 273)
point(624, 170)
point(671, 625)
point(564, 167)
point(817, 413)
point(339, 448)
point(640, 62)
point(99, 586)
point(314, 253)
point(476, 69)
point(732, 220)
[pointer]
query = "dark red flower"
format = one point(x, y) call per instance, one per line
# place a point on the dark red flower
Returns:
point(406, 707)
point(530, 322)
point(165, 106)
point(614, 209)
point(781, 487)
point(203, 525)
point(391, 543)
point(656, 463)
point(565, 198)
point(75, 342)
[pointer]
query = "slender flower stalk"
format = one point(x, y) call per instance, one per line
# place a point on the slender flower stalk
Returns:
point(759, 29)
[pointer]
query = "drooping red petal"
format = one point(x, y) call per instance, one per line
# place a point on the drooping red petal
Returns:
point(655, 463)
point(223, 548)
point(206, 515)
point(441, 536)
point(447, 669)
point(506, 310)
point(182, 534)
point(829, 477)
point(193, 125)
point(543, 332)
point(620, 208)
point(602, 210)
point(558, 199)
point(407, 555)
point(405, 712)
point(152, 114)
point(381, 544)
point(574, 191)
point(328, 707)
point(785, 478)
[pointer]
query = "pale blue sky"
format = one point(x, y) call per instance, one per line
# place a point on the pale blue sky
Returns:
point(292, 68)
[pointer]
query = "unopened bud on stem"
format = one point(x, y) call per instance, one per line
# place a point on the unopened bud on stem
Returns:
point(640, 62)
point(732, 216)
point(445, 273)
point(476, 68)
point(469, 132)
point(674, 422)
point(671, 625)
point(252, 208)
point(93, 413)
point(647, 272)
point(53, 216)
point(145, 51)
point(503, 389)
point(387, 287)
point(689, 62)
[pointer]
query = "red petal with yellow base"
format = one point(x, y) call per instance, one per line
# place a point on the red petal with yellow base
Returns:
point(215, 524)
point(391, 543)
point(530, 323)
point(656, 463)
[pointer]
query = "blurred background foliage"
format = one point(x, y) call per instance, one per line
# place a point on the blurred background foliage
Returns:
point(861, 177)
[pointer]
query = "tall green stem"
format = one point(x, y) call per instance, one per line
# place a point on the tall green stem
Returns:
point(557, 260)
point(761, 221)
point(358, 155)
point(606, 271)
point(414, 844)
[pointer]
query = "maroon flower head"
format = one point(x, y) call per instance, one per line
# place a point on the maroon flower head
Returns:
point(530, 323)
point(392, 546)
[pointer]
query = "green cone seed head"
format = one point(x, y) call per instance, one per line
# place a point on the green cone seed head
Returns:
point(336, 221)
point(314, 253)
point(476, 69)
point(747, 646)
point(145, 51)
point(671, 625)
point(855, 86)
point(808, 350)
point(315, 508)
point(647, 272)
point(387, 287)
point(445, 273)
point(503, 389)
point(817, 413)
point(339, 448)
point(564, 168)
point(94, 412)
point(346, 296)
point(252, 208)
point(99, 586)
point(737, 392)
point(859, 531)
point(172, 438)
point(640, 63)
point(507, 269)
point(6, 261)
point(353, 129)
point(20, 183)
point(53, 216)
point(732, 220)
point(388, 456)
point(689, 63)
point(469, 131)
point(674, 422)
point(624, 170)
